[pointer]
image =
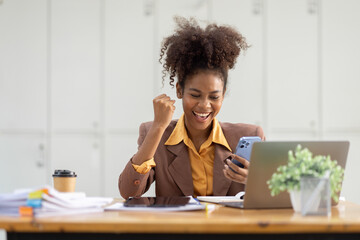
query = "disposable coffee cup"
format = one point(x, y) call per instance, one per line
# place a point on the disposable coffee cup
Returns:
point(64, 180)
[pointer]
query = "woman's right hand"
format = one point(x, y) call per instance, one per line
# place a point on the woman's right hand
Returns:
point(234, 172)
point(163, 110)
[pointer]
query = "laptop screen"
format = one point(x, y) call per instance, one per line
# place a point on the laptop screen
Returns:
point(267, 156)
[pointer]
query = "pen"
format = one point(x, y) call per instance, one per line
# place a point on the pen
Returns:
point(206, 206)
point(197, 200)
point(206, 210)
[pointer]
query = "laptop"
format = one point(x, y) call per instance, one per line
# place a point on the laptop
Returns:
point(267, 156)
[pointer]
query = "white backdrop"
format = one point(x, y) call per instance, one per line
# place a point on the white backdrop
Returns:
point(78, 77)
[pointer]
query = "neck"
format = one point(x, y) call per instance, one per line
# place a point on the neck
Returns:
point(198, 137)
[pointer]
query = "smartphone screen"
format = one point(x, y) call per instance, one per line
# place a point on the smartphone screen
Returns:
point(174, 201)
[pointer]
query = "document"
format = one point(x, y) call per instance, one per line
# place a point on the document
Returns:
point(222, 199)
point(46, 201)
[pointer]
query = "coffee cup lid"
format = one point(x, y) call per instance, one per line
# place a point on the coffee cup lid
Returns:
point(64, 173)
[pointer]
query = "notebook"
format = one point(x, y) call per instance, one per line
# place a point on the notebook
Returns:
point(267, 156)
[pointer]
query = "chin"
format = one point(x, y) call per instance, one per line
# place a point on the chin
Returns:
point(196, 124)
point(204, 125)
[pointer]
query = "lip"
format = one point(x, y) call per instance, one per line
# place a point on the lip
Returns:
point(201, 119)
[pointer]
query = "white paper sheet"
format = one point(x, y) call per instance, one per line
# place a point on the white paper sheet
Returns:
point(219, 199)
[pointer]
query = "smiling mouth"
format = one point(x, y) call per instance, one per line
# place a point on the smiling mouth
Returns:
point(202, 116)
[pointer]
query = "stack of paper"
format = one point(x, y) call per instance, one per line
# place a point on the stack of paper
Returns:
point(49, 202)
point(10, 203)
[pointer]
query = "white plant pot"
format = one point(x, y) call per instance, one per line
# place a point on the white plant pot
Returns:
point(295, 197)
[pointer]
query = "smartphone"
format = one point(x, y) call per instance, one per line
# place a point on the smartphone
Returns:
point(243, 148)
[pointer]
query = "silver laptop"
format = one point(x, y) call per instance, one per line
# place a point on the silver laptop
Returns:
point(267, 156)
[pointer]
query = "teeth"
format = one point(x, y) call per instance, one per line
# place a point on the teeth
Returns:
point(202, 114)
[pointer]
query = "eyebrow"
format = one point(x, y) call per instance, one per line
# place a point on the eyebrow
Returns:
point(197, 90)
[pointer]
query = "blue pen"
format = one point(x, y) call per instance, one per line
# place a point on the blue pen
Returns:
point(197, 200)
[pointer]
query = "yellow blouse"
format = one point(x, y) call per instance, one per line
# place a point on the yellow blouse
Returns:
point(202, 162)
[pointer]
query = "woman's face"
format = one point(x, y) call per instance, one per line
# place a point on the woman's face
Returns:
point(202, 98)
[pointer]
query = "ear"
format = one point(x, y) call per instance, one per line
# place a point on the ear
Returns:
point(179, 91)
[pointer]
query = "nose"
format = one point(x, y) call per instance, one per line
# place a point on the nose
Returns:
point(204, 103)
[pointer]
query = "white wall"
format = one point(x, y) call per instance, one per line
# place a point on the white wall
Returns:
point(77, 78)
point(2, 235)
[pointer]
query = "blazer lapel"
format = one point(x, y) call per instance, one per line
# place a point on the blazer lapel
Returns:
point(221, 184)
point(180, 168)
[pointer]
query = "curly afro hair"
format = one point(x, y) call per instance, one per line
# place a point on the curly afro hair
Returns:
point(191, 49)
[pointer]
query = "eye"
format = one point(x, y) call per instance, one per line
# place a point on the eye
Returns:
point(214, 97)
point(195, 95)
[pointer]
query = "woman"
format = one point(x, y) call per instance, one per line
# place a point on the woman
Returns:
point(190, 156)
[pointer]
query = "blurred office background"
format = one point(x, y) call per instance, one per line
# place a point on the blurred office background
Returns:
point(77, 77)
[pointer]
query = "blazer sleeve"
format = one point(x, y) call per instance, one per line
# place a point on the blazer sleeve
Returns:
point(131, 183)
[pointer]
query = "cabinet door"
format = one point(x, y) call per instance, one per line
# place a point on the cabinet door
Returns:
point(166, 10)
point(119, 150)
point(23, 65)
point(22, 162)
point(340, 65)
point(244, 97)
point(75, 64)
point(351, 176)
point(81, 154)
point(292, 66)
point(129, 69)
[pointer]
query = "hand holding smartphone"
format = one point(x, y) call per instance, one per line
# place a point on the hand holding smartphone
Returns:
point(244, 147)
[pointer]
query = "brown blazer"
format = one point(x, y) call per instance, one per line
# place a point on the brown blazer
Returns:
point(172, 174)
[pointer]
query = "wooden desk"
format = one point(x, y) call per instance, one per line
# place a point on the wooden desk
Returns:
point(218, 224)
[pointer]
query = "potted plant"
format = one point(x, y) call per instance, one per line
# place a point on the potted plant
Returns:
point(303, 164)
